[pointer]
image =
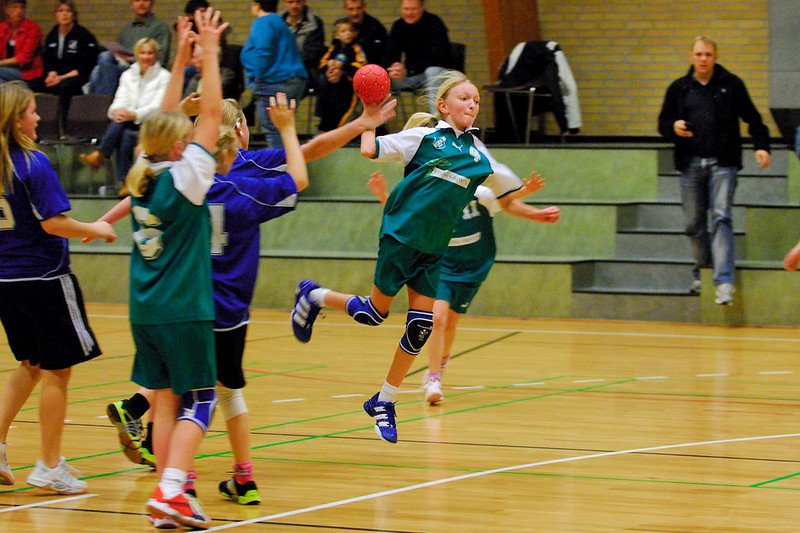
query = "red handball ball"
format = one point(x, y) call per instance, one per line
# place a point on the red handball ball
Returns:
point(371, 83)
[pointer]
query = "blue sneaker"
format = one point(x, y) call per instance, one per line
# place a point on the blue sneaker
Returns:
point(385, 426)
point(305, 311)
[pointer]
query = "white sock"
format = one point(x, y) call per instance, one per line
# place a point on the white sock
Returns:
point(318, 296)
point(388, 392)
point(172, 482)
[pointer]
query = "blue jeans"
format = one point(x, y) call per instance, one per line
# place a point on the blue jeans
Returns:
point(104, 78)
point(10, 74)
point(705, 186)
point(120, 137)
point(293, 87)
point(420, 81)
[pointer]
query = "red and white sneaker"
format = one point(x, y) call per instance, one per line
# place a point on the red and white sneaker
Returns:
point(183, 508)
point(164, 522)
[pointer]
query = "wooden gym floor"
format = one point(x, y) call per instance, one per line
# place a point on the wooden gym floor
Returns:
point(546, 426)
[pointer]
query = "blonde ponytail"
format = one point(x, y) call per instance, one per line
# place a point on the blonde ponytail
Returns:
point(157, 137)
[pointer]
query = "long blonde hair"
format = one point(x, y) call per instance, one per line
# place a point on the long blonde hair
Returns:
point(447, 80)
point(15, 97)
point(157, 137)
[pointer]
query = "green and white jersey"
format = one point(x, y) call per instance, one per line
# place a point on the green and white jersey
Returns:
point(471, 251)
point(443, 168)
point(171, 258)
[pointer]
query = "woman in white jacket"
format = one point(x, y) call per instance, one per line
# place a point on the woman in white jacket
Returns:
point(141, 90)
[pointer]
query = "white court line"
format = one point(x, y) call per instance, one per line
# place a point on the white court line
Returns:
point(776, 372)
point(486, 473)
point(471, 387)
point(529, 384)
point(347, 396)
point(721, 375)
point(652, 377)
point(536, 331)
point(48, 502)
point(588, 380)
point(289, 400)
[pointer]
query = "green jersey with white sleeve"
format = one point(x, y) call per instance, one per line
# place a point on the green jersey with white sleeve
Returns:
point(443, 168)
point(170, 279)
point(471, 251)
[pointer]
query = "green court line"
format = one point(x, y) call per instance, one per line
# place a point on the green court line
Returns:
point(406, 421)
point(465, 352)
point(764, 483)
point(105, 384)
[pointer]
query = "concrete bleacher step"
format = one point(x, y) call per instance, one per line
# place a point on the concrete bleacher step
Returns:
point(665, 244)
point(615, 306)
point(755, 186)
point(667, 216)
point(750, 190)
point(634, 276)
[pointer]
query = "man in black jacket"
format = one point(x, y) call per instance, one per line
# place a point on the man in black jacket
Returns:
point(372, 36)
point(701, 115)
point(422, 37)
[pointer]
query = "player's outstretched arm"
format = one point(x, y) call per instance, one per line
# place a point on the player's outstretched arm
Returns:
point(373, 116)
point(282, 114)
point(519, 209)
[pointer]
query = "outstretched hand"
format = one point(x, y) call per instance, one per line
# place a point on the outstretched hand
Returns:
point(186, 37)
point(378, 114)
point(209, 27)
point(792, 258)
point(548, 215)
point(281, 111)
point(377, 186)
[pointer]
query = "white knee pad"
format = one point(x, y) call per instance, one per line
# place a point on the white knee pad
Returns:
point(231, 402)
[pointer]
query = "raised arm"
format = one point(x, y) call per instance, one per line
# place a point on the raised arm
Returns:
point(172, 95)
point(209, 30)
point(281, 113)
point(374, 115)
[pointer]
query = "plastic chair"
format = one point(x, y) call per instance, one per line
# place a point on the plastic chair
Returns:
point(87, 118)
point(49, 109)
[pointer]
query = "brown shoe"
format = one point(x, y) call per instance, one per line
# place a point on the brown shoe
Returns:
point(93, 159)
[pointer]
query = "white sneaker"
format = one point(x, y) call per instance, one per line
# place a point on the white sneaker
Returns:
point(724, 294)
point(433, 391)
point(6, 475)
point(59, 479)
point(695, 287)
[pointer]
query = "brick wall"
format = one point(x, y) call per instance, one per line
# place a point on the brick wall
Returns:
point(623, 53)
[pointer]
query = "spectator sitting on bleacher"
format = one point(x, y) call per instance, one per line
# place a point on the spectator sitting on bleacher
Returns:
point(116, 60)
point(422, 37)
point(230, 83)
point(336, 99)
point(20, 45)
point(371, 34)
point(309, 34)
point(70, 54)
point(141, 90)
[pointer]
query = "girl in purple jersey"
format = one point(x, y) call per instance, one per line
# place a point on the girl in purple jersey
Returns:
point(41, 306)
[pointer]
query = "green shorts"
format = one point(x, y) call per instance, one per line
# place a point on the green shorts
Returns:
point(400, 265)
point(179, 356)
point(459, 295)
